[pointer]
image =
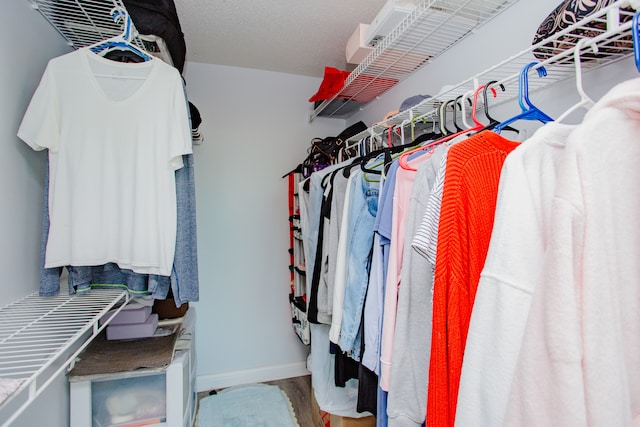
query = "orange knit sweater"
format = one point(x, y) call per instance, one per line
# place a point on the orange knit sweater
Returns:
point(466, 220)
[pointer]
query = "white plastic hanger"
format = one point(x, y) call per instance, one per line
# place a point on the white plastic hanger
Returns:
point(463, 108)
point(402, 125)
point(585, 101)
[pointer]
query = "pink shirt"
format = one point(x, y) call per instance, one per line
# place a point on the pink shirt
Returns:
point(401, 199)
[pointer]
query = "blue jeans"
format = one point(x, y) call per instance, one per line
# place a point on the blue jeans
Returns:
point(84, 278)
point(362, 214)
point(185, 285)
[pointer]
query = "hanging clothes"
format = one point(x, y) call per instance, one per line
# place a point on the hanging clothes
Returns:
point(510, 276)
point(331, 398)
point(313, 233)
point(363, 209)
point(578, 360)
point(404, 182)
point(340, 279)
point(129, 166)
point(339, 192)
point(407, 399)
point(466, 219)
point(319, 297)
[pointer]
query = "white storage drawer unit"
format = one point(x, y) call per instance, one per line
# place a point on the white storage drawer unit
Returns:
point(163, 397)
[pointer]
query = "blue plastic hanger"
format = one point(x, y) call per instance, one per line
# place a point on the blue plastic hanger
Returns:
point(122, 42)
point(635, 36)
point(529, 111)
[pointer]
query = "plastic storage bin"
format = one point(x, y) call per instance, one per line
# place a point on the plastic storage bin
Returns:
point(164, 397)
point(129, 401)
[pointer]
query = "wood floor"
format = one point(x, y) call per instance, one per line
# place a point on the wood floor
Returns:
point(299, 391)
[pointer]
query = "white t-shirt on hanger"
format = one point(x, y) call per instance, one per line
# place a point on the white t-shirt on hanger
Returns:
point(115, 133)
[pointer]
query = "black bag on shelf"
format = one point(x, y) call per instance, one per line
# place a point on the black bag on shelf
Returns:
point(160, 18)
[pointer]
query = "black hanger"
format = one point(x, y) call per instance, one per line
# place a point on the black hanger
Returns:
point(387, 151)
point(493, 122)
point(456, 102)
point(387, 159)
point(297, 169)
point(427, 136)
point(396, 149)
point(346, 171)
point(123, 56)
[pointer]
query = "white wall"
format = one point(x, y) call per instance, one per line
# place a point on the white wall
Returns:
point(26, 42)
point(255, 129)
point(510, 33)
point(25, 55)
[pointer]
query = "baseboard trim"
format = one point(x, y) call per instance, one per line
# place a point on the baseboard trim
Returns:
point(247, 376)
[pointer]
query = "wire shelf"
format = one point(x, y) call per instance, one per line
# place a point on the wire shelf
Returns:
point(84, 22)
point(432, 28)
point(41, 336)
point(607, 31)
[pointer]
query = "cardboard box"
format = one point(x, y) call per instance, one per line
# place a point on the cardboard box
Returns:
point(324, 419)
point(133, 313)
point(133, 330)
point(320, 417)
point(338, 421)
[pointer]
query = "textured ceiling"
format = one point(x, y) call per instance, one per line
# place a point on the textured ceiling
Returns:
point(289, 36)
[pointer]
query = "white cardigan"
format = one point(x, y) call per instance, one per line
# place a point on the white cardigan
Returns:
point(579, 362)
point(509, 277)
